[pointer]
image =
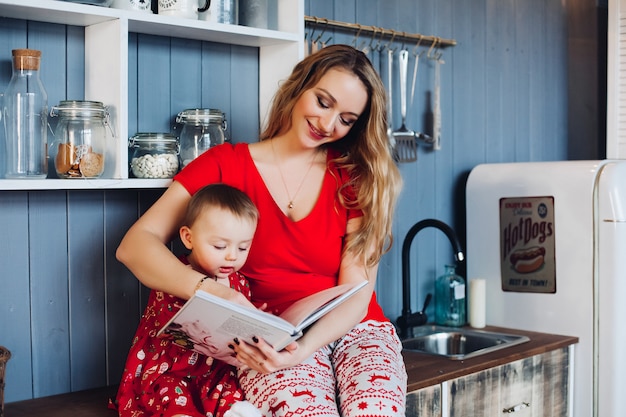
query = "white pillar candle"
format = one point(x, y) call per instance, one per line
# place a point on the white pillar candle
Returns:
point(477, 302)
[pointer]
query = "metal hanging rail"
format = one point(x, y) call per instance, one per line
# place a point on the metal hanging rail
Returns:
point(380, 33)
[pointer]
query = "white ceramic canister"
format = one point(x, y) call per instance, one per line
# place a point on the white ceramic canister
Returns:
point(253, 13)
point(136, 5)
point(222, 11)
point(183, 8)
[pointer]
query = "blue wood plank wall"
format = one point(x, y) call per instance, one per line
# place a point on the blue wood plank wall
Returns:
point(503, 99)
point(68, 309)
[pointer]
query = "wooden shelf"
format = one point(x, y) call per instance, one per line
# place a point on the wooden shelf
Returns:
point(82, 184)
point(76, 14)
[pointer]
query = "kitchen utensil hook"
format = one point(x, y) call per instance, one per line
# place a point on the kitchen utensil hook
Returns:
point(417, 45)
point(312, 33)
point(356, 37)
point(369, 47)
point(323, 32)
point(388, 45)
point(432, 46)
point(377, 47)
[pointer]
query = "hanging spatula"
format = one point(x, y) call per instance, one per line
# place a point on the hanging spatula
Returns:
point(405, 142)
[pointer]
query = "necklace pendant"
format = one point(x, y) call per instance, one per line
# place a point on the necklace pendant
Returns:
point(290, 205)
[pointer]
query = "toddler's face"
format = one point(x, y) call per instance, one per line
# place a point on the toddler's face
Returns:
point(219, 242)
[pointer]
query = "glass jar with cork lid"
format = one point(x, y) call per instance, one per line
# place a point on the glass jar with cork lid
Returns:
point(24, 112)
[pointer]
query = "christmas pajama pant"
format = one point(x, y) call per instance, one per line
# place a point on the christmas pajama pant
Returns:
point(360, 375)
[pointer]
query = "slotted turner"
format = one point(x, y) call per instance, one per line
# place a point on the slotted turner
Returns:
point(405, 142)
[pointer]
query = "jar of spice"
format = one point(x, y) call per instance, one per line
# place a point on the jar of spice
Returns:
point(153, 155)
point(201, 129)
point(80, 138)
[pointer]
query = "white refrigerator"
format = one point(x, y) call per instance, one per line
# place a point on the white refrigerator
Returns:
point(550, 240)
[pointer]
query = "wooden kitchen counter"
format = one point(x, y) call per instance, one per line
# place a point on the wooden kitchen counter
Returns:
point(425, 370)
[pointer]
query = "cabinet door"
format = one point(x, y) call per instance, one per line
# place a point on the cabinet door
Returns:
point(425, 402)
point(531, 387)
point(475, 394)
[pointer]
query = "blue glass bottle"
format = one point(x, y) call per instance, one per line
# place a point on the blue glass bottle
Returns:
point(450, 299)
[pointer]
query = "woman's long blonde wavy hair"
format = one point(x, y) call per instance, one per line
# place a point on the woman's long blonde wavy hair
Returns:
point(364, 152)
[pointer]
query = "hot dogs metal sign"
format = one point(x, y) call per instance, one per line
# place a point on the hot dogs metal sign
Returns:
point(527, 244)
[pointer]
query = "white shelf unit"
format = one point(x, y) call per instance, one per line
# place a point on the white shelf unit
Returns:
point(106, 66)
point(616, 81)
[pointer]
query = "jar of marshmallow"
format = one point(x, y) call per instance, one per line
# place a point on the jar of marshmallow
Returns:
point(153, 155)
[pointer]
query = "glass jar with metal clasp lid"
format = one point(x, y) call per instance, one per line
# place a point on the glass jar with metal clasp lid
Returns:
point(80, 138)
point(153, 155)
point(201, 129)
point(103, 3)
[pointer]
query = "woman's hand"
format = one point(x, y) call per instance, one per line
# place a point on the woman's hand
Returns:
point(262, 357)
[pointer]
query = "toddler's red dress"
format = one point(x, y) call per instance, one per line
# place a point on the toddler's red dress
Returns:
point(162, 378)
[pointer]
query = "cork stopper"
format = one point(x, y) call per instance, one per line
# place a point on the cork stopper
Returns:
point(26, 59)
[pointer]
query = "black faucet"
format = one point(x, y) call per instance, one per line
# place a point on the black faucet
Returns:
point(409, 320)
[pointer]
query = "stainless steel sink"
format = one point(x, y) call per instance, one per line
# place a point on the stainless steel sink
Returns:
point(459, 343)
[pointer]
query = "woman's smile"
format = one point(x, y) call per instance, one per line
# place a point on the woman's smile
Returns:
point(315, 133)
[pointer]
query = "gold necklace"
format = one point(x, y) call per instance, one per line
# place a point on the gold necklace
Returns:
point(280, 171)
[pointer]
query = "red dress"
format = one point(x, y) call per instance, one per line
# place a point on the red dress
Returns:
point(288, 260)
point(163, 378)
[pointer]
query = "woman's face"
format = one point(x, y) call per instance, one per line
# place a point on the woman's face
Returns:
point(327, 111)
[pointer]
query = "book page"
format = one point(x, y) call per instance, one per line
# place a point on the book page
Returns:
point(208, 324)
point(306, 311)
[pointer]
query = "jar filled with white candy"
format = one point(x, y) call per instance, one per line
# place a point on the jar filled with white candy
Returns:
point(153, 155)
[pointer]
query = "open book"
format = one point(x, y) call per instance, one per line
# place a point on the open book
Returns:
point(208, 324)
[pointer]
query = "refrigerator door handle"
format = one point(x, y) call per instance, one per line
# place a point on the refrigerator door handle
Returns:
point(515, 408)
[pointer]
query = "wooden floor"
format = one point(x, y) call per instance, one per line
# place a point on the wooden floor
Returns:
point(91, 403)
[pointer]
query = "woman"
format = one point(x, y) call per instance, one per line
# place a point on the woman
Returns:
point(325, 184)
